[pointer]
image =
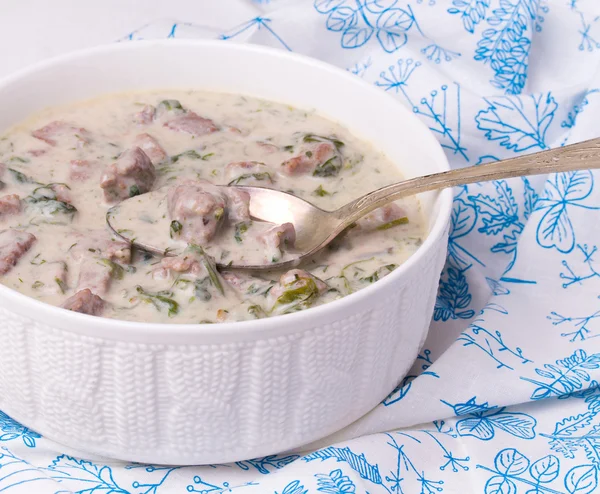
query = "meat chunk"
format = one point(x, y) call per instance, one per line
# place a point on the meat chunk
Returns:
point(187, 263)
point(95, 275)
point(297, 289)
point(132, 174)
point(145, 116)
point(151, 147)
point(278, 238)
point(62, 193)
point(99, 243)
point(10, 204)
point(13, 245)
point(57, 130)
point(383, 218)
point(238, 204)
point(311, 156)
point(80, 170)
point(85, 302)
point(247, 172)
point(191, 123)
point(199, 208)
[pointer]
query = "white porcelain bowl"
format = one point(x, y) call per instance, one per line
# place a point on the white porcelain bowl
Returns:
point(192, 394)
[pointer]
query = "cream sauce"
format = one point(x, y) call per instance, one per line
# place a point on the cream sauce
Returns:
point(61, 218)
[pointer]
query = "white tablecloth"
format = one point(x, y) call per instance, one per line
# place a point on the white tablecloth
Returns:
point(504, 397)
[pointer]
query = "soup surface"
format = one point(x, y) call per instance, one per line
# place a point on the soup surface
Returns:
point(62, 169)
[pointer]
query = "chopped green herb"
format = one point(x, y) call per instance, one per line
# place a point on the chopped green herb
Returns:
point(21, 177)
point(37, 284)
point(257, 311)
point(316, 138)
point(321, 192)
point(380, 273)
point(134, 190)
point(176, 228)
point(170, 105)
point(219, 212)
point(36, 261)
point(330, 168)
point(299, 294)
point(160, 300)
point(289, 149)
point(256, 176)
point(241, 229)
point(116, 270)
point(61, 285)
point(50, 209)
point(18, 159)
point(192, 154)
point(393, 223)
point(210, 266)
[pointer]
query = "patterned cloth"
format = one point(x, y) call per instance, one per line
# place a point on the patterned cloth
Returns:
point(504, 398)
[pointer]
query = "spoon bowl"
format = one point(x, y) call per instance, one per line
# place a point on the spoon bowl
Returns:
point(316, 228)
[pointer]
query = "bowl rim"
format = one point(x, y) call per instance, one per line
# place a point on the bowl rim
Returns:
point(82, 323)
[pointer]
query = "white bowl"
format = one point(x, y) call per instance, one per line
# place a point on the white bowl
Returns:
point(197, 394)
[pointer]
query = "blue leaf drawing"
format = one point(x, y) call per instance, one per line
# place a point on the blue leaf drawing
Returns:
point(506, 43)
point(517, 424)
point(392, 26)
point(96, 478)
point(11, 430)
point(510, 462)
point(326, 6)
point(471, 12)
point(500, 485)
point(497, 287)
point(567, 376)
point(582, 479)
point(268, 463)
point(545, 469)
point(453, 298)
point(531, 198)
point(519, 123)
point(294, 487)
point(356, 36)
point(358, 463)
point(462, 222)
point(477, 427)
point(483, 420)
point(335, 483)
point(497, 213)
point(565, 190)
point(341, 18)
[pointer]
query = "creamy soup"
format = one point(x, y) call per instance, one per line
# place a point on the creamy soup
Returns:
point(62, 169)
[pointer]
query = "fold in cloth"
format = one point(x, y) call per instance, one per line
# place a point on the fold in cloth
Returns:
point(503, 398)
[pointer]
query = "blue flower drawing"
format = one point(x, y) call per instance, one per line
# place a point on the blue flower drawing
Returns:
point(482, 421)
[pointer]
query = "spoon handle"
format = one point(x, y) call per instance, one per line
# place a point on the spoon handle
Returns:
point(581, 156)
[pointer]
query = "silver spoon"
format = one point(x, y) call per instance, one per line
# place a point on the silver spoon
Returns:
point(316, 228)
